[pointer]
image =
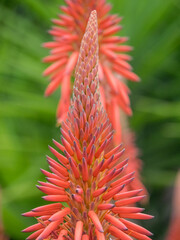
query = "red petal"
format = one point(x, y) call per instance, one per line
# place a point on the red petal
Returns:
point(53, 67)
point(112, 81)
point(62, 234)
point(33, 228)
point(54, 84)
point(49, 229)
point(113, 151)
point(56, 198)
point(127, 74)
point(52, 191)
point(138, 235)
point(96, 221)
point(142, 216)
point(71, 62)
point(99, 191)
point(35, 234)
point(60, 157)
point(60, 183)
point(60, 146)
point(128, 201)
point(48, 207)
point(85, 237)
point(136, 227)
point(127, 194)
point(115, 221)
point(127, 210)
point(60, 214)
point(118, 233)
point(105, 206)
point(78, 230)
point(100, 236)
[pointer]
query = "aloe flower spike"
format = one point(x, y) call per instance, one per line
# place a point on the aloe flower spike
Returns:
point(79, 178)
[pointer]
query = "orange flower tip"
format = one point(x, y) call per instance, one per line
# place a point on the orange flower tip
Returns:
point(38, 188)
point(27, 214)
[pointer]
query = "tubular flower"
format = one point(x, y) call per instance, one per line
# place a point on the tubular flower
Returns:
point(67, 35)
point(88, 178)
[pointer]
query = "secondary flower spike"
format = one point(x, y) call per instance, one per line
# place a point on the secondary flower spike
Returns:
point(113, 59)
point(88, 178)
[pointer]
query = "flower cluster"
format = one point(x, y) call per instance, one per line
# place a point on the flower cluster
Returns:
point(113, 60)
point(113, 64)
point(88, 177)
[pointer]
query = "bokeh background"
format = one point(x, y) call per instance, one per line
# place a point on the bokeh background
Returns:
point(27, 119)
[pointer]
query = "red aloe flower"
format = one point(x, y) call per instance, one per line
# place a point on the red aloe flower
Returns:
point(67, 35)
point(88, 178)
point(113, 66)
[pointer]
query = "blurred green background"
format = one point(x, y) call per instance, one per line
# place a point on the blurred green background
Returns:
point(27, 119)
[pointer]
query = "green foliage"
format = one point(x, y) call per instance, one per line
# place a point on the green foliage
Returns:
point(27, 119)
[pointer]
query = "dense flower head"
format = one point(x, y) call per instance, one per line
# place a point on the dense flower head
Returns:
point(88, 177)
point(113, 60)
point(113, 65)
